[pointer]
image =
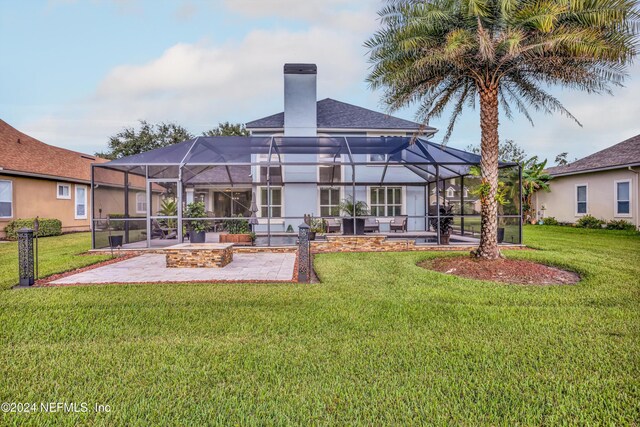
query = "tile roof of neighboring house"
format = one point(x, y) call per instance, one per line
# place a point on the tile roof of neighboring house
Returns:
point(334, 114)
point(625, 153)
point(23, 154)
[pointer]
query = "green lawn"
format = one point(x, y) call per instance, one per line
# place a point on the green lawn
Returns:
point(56, 254)
point(380, 341)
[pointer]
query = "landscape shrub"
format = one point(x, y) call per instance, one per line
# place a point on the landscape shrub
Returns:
point(47, 227)
point(620, 224)
point(550, 221)
point(589, 221)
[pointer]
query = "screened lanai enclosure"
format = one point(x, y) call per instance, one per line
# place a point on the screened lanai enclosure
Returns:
point(408, 188)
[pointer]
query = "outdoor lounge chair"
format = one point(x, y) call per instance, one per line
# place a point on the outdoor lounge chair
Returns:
point(333, 225)
point(157, 231)
point(398, 223)
point(371, 225)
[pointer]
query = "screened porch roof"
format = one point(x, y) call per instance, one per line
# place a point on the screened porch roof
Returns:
point(225, 153)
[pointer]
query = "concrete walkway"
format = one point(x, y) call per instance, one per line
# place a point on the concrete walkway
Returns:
point(152, 268)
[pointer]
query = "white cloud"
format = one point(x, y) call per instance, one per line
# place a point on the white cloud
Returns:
point(198, 85)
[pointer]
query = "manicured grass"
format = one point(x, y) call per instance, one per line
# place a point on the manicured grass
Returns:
point(56, 255)
point(380, 341)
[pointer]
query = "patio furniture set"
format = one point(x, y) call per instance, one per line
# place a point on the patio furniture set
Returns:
point(371, 225)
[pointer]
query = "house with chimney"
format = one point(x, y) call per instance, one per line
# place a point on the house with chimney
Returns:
point(307, 160)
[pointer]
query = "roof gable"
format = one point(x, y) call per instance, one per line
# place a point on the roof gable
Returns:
point(334, 114)
point(622, 154)
point(25, 154)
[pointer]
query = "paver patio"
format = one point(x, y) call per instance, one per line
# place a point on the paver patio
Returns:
point(152, 268)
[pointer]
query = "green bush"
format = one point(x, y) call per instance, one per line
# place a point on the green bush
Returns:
point(620, 224)
point(550, 221)
point(48, 227)
point(237, 226)
point(589, 221)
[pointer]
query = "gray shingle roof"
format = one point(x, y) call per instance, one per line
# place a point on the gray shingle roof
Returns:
point(340, 115)
point(625, 153)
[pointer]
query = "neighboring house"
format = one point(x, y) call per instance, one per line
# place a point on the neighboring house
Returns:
point(37, 179)
point(451, 195)
point(604, 184)
point(303, 115)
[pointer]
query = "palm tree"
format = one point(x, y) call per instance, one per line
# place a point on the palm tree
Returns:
point(534, 178)
point(504, 53)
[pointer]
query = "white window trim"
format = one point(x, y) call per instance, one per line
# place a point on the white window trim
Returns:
point(615, 199)
point(259, 201)
point(144, 199)
point(323, 187)
point(61, 184)
point(321, 163)
point(403, 194)
point(453, 192)
point(575, 199)
point(75, 202)
point(377, 162)
point(11, 187)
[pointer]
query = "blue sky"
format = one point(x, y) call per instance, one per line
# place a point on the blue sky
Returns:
point(77, 71)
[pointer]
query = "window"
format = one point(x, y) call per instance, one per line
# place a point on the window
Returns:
point(385, 201)
point(450, 192)
point(63, 191)
point(276, 202)
point(141, 203)
point(81, 202)
point(581, 199)
point(329, 201)
point(466, 192)
point(377, 158)
point(6, 199)
point(623, 198)
point(332, 171)
point(275, 172)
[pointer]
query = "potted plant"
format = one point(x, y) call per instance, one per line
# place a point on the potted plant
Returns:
point(351, 209)
point(238, 232)
point(446, 223)
point(197, 228)
point(316, 226)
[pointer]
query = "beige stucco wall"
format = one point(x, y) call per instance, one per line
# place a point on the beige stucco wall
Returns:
point(38, 197)
point(561, 201)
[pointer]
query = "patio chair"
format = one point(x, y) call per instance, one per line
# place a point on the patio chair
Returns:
point(398, 223)
point(333, 225)
point(157, 231)
point(371, 225)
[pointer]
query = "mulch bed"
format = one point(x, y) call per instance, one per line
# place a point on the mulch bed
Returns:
point(503, 270)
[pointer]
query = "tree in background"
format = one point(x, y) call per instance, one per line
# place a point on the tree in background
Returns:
point(453, 53)
point(561, 159)
point(508, 151)
point(132, 141)
point(228, 129)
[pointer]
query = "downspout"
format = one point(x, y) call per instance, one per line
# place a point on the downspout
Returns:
point(637, 194)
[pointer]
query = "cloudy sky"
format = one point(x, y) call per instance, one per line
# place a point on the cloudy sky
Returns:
point(75, 72)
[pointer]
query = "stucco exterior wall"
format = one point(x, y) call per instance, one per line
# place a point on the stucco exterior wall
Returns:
point(38, 197)
point(561, 201)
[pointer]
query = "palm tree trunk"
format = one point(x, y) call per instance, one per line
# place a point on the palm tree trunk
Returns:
point(488, 248)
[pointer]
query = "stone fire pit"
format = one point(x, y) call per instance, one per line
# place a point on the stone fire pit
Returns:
point(200, 255)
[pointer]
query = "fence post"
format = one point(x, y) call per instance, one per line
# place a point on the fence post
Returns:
point(25, 256)
point(304, 256)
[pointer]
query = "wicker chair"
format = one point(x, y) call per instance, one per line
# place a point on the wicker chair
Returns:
point(398, 223)
point(333, 225)
point(371, 225)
